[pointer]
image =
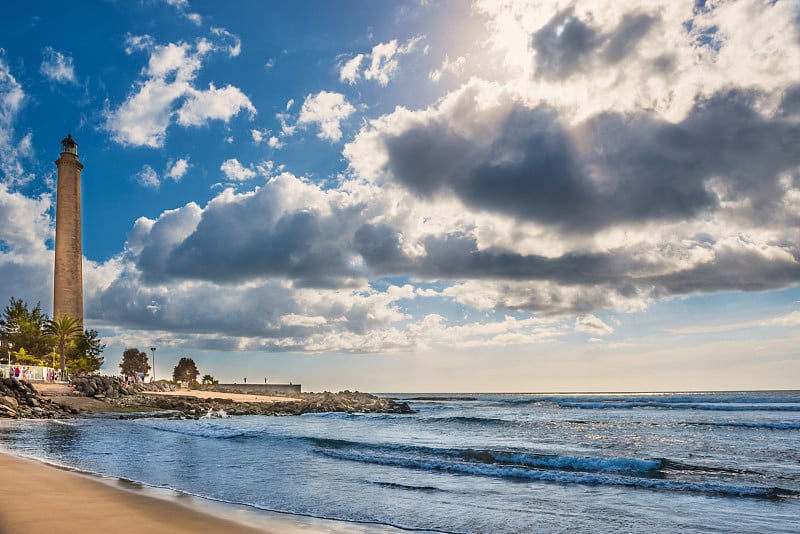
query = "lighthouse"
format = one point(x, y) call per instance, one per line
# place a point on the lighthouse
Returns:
point(68, 270)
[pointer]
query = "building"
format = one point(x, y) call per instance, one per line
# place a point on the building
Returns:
point(68, 270)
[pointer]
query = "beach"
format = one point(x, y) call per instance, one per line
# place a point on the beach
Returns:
point(462, 462)
point(36, 497)
point(43, 498)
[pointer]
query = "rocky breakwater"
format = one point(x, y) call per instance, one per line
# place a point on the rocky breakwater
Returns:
point(111, 387)
point(186, 406)
point(19, 399)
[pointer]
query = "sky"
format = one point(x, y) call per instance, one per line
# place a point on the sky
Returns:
point(495, 195)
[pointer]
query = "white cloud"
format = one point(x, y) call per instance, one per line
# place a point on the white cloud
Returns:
point(143, 118)
point(327, 110)
point(12, 99)
point(57, 66)
point(259, 135)
point(195, 18)
point(177, 169)
point(182, 6)
point(264, 136)
point(593, 325)
point(147, 177)
point(381, 63)
point(213, 104)
point(349, 70)
point(234, 47)
point(234, 170)
point(270, 63)
point(455, 67)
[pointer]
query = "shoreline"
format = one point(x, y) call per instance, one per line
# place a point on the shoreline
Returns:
point(41, 497)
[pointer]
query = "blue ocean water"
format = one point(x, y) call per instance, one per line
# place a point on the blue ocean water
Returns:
point(684, 462)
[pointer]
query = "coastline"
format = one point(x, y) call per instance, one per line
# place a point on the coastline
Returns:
point(37, 497)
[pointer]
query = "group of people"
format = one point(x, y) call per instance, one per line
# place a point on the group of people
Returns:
point(53, 375)
point(135, 378)
point(26, 373)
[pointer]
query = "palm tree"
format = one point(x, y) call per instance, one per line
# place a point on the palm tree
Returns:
point(63, 330)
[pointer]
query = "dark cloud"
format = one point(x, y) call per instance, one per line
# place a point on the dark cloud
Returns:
point(732, 270)
point(790, 104)
point(615, 168)
point(626, 36)
point(249, 238)
point(567, 45)
point(563, 45)
point(380, 246)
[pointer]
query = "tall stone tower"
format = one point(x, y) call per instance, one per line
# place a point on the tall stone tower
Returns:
point(68, 271)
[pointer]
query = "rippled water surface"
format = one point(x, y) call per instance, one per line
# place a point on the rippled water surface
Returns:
point(699, 462)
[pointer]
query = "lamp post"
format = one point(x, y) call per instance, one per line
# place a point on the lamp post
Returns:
point(153, 350)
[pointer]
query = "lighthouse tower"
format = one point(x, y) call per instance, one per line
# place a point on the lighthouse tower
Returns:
point(68, 271)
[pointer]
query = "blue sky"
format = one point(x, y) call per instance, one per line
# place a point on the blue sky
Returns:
point(419, 196)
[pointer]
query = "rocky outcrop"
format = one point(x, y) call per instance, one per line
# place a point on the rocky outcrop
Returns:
point(112, 387)
point(346, 401)
point(19, 399)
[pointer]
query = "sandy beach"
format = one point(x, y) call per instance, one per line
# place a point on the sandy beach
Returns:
point(37, 498)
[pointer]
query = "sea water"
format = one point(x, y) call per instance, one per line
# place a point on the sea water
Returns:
point(678, 462)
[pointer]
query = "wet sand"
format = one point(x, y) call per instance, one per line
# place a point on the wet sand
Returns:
point(38, 498)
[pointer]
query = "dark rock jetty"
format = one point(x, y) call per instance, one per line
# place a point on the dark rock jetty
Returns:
point(19, 399)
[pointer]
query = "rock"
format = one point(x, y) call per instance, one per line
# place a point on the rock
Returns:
point(10, 402)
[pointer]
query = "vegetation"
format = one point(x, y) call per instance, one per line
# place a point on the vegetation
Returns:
point(62, 330)
point(208, 379)
point(185, 371)
point(23, 358)
point(29, 335)
point(134, 361)
point(24, 328)
point(83, 355)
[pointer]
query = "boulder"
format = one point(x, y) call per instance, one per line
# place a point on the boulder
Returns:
point(9, 402)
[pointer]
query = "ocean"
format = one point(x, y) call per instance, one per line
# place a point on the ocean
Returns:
point(471, 463)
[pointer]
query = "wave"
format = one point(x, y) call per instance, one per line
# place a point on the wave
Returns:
point(201, 429)
point(564, 462)
point(468, 420)
point(575, 477)
point(513, 458)
point(614, 405)
point(747, 424)
point(650, 473)
point(671, 398)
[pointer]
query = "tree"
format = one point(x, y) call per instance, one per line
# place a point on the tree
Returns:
point(134, 361)
point(83, 355)
point(24, 328)
point(23, 358)
point(185, 371)
point(62, 330)
point(208, 379)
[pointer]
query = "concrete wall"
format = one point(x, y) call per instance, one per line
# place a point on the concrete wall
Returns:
point(259, 389)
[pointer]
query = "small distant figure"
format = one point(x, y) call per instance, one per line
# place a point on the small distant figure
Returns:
point(245, 380)
point(265, 379)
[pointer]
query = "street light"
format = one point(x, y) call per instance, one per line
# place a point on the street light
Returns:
point(153, 350)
